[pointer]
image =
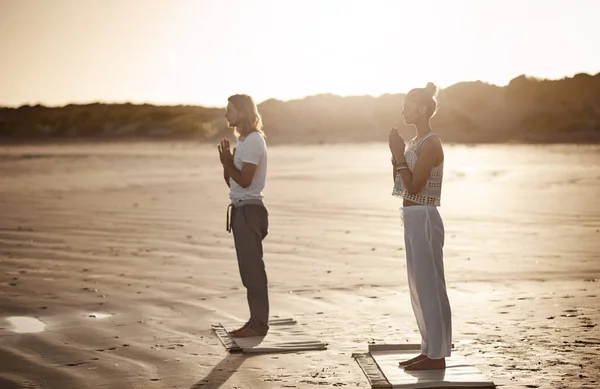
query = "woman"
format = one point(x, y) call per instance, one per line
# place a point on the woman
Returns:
point(418, 172)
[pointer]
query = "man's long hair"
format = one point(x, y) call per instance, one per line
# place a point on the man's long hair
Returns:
point(251, 117)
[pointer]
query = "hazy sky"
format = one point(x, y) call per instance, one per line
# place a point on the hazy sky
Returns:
point(200, 51)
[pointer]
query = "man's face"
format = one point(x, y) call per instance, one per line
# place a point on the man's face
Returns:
point(232, 115)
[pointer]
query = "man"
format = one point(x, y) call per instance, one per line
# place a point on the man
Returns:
point(245, 173)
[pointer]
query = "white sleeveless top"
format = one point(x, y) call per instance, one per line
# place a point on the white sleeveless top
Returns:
point(431, 192)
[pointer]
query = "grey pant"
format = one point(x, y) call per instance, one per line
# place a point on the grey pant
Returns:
point(250, 224)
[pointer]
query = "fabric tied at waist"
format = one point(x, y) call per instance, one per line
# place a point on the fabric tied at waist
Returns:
point(237, 204)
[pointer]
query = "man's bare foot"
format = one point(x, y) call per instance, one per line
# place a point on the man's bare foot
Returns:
point(248, 332)
point(234, 332)
point(412, 360)
point(427, 364)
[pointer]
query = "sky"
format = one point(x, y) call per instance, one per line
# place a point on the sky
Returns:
point(198, 52)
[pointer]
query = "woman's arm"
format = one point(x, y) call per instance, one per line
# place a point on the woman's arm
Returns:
point(429, 152)
point(394, 171)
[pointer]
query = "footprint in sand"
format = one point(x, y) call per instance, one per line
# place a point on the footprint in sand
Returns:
point(95, 315)
point(106, 349)
point(76, 364)
point(570, 313)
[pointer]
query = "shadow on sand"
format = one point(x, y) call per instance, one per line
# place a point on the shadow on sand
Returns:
point(228, 365)
point(221, 372)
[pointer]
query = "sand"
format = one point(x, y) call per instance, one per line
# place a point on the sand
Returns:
point(119, 257)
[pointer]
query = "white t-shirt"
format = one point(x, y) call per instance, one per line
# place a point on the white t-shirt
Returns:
point(250, 149)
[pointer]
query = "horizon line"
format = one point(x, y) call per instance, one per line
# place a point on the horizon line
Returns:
point(132, 102)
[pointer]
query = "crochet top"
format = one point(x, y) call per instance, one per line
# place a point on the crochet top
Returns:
point(430, 193)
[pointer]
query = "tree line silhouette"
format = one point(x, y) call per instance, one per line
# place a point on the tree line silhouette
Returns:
point(526, 110)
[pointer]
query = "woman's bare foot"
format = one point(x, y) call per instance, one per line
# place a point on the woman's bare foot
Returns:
point(427, 364)
point(412, 360)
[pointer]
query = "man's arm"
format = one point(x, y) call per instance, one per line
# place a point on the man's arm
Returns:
point(254, 151)
point(226, 175)
point(242, 177)
point(429, 152)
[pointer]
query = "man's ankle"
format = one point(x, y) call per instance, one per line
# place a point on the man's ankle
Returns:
point(259, 325)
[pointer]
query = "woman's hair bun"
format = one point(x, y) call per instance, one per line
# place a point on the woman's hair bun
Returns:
point(431, 89)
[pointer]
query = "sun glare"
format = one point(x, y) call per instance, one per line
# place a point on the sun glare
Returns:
point(199, 52)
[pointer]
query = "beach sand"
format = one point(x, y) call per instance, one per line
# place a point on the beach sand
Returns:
point(120, 251)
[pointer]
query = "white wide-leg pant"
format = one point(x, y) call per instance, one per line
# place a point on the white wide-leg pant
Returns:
point(424, 240)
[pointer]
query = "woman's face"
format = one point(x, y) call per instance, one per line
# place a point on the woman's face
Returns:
point(411, 110)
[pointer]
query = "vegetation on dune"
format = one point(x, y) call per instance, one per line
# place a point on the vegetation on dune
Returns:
point(526, 110)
